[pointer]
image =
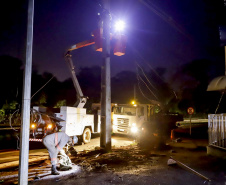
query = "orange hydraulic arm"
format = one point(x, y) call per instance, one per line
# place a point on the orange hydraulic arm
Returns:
point(81, 99)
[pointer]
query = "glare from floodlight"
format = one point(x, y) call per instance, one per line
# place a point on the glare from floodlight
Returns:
point(119, 26)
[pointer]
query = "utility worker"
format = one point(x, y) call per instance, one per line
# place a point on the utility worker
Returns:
point(54, 143)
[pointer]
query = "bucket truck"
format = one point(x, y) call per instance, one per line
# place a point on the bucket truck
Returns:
point(74, 121)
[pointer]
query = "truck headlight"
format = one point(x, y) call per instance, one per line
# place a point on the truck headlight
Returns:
point(49, 126)
point(134, 129)
point(33, 125)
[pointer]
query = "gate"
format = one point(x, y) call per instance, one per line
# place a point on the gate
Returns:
point(217, 130)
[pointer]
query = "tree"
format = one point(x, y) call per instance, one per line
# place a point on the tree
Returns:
point(192, 81)
point(45, 89)
point(90, 81)
point(122, 87)
point(11, 75)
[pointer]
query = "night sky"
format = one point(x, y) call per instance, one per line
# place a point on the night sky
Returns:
point(161, 33)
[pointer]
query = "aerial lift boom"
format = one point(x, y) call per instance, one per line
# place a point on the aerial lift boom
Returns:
point(81, 99)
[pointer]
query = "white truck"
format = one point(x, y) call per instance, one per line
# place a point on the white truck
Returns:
point(141, 120)
point(78, 123)
point(128, 118)
point(145, 122)
point(71, 120)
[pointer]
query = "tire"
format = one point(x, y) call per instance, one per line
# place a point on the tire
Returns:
point(86, 136)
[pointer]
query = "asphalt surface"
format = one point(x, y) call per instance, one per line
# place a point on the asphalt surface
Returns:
point(128, 164)
point(10, 158)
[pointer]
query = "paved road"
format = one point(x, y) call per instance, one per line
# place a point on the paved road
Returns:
point(10, 158)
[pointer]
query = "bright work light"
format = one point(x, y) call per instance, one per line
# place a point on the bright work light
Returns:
point(119, 26)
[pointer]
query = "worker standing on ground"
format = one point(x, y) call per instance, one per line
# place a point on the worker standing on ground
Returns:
point(54, 143)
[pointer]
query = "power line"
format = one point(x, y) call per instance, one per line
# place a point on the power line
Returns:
point(166, 18)
point(155, 72)
point(149, 65)
point(42, 87)
point(139, 78)
point(146, 76)
point(142, 91)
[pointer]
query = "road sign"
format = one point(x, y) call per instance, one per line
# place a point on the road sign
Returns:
point(190, 110)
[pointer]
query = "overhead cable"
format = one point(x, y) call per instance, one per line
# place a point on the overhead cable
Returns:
point(139, 77)
point(146, 77)
point(142, 91)
point(155, 72)
point(149, 65)
point(166, 18)
point(42, 87)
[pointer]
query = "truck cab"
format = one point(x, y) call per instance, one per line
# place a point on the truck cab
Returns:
point(126, 118)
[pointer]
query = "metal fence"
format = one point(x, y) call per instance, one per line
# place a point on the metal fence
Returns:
point(217, 130)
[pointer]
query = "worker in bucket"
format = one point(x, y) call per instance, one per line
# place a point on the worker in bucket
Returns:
point(54, 143)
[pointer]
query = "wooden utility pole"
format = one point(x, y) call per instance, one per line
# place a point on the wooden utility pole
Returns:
point(105, 139)
point(25, 125)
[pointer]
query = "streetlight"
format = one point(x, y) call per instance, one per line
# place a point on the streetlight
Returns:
point(119, 38)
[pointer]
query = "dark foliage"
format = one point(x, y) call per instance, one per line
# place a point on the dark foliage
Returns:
point(192, 82)
point(11, 80)
point(90, 82)
point(123, 87)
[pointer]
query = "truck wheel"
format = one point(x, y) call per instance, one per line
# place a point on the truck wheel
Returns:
point(86, 135)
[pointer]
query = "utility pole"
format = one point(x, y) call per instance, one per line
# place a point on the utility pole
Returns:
point(225, 60)
point(25, 125)
point(105, 138)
